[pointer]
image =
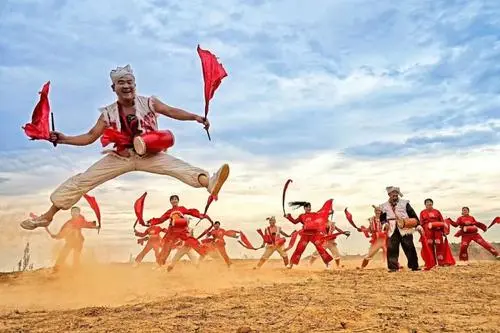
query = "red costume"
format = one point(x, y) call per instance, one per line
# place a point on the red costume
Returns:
point(435, 231)
point(314, 225)
point(71, 232)
point(177, 231)
point(153, 238)
point(214, 243)
point(469, 232)
point(376, 231)
point(274, 242)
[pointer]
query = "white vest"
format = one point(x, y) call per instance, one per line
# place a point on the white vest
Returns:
point(400, 210)
point(144, 112)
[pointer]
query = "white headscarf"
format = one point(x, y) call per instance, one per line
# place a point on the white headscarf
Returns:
point(120, 72)
point(390, 189)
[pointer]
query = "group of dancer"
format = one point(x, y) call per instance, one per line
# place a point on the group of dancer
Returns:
point(393, 223)
point(131, 125)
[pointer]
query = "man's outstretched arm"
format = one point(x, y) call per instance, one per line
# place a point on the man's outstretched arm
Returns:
point(176, 113)
point(83, 139)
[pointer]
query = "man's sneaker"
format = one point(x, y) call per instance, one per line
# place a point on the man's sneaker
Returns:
point(217, 180)
point(34, 222)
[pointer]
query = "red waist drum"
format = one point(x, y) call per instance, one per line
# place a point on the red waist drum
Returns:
point(407, 223)
point(153, 142)
point(470, 229)
point(437, 225)
point(279, 242)
point(179, 223)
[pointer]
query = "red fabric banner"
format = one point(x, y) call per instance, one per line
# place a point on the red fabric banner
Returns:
point(39, 129)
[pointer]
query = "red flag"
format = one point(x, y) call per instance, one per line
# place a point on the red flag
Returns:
point(495, 221)
point(245, 242)
point(95, 207)
point(38, 129)
point(348, 216)
point(213, 73)
point(139, 208)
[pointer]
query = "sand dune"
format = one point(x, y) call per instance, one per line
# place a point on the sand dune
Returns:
point(109, 298)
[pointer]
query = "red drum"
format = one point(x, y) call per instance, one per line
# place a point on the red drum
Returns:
point(408, 223)
point(470, 229)
point(153, 142)
point(437, 225)
point(180, 222)
point(279, 242)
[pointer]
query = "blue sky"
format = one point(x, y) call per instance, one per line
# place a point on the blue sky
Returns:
point(345, 82)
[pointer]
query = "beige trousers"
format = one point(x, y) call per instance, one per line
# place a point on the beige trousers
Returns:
point(185, 250)
point(270, 249)
point(330, 245)
point(374, 248)
point(112, 166)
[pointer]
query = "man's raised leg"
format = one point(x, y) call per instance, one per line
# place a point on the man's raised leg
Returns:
point(165, 164)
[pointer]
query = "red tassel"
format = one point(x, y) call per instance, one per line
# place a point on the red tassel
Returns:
point(246, 242)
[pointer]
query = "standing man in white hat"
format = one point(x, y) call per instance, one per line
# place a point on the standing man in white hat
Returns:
point(131, 115)
point(393, 210)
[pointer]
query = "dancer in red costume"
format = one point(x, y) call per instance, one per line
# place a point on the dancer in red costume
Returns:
point(152, 238)
point(122, 121)
point(469, 232)
point(185, 248)
point(274, 242)
point(435, 231)
point(216, 245)
point(330, 243)
point(376, 231)
point(71, 232)
point(178, 229)
point(314, 225)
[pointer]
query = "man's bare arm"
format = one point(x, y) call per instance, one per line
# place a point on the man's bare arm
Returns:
point(176, 113)
point(83, 139)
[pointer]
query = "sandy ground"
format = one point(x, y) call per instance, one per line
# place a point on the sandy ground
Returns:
point(119, 298)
